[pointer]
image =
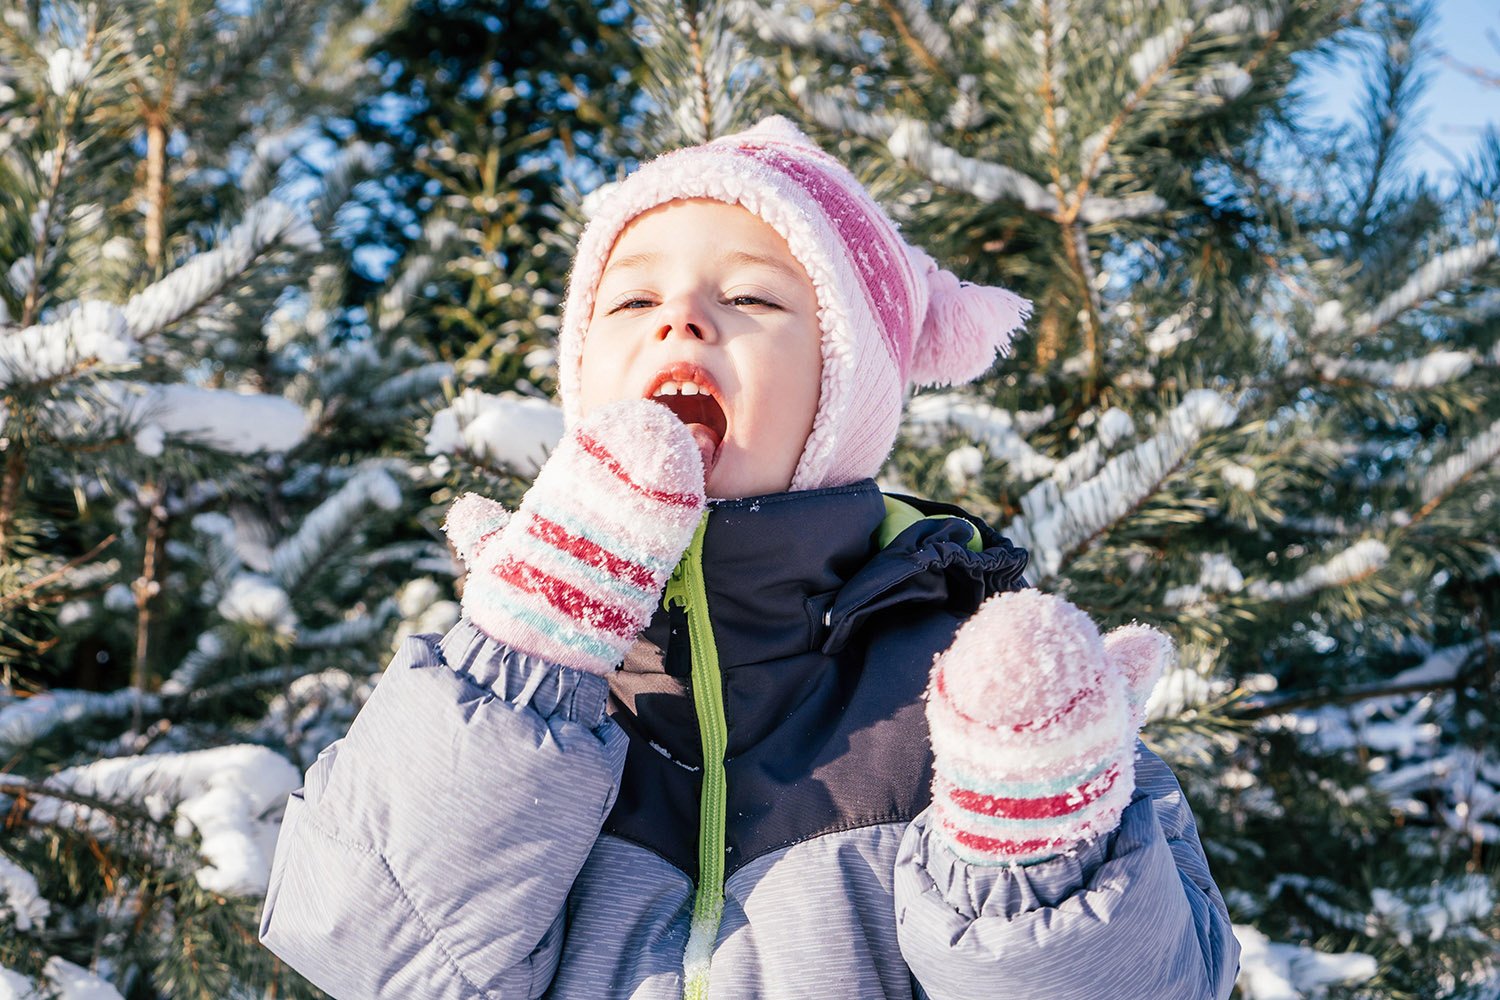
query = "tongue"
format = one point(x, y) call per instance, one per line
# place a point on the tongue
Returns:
point(708, 445)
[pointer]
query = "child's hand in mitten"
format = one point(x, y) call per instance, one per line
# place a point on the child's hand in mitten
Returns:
point(1033, 718)
point(575, 575)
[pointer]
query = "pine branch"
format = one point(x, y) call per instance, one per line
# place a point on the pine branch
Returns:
point(418, 383)
point(152, 499)
point(330, 524)
point(921, 34)
point(351, 631)
point(66, 569)
point(981, 423)
point(90, 335)
point(1054, 527)
point(1152, 64)
point(208, 651)
point(267, 226)
point(774, 26)
point(61, 155)
point(1429, 371)
point(24, 791)
point(1387, 112)
point(1348, 567)
point(26, 722)
point(1443, 670)
point(353, 164)
point(1446, 270)
point(1477, 454)
point(266, 23)
point(912, 143)
point(694, 25)
point(441, 237)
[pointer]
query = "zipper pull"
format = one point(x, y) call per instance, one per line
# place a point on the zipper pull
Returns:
point(676, 587)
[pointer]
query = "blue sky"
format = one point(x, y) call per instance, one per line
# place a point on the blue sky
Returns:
point(1456, 107)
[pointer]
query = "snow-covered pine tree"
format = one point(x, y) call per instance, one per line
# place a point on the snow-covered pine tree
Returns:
point(1256, 408)
point(493, 110)
point(205, 530)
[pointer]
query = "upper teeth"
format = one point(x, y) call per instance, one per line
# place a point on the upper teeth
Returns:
point(670, 388)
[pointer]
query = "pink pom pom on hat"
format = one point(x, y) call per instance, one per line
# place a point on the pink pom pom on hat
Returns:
point(891, 319)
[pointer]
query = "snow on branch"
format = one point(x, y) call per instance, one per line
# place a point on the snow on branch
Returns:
point(1155, 52)
point(208, 651)
point(1478, 452)
point(776, 26)
point(351, 631)
point(61, 979)
point(1358, 560)
point(1242, 19)
point(20, 896)
point(1442, 666)
point(25, 721)
point(911, 141)
point(928, 33)
point(255, 600)
point(1132, 206)
point(93, 333)
point(440, 236)
point(1437, 368)
point(982, 423)
point(1435, 910)
point(330, 524)
point(229, 795)
point(241, 423)
point(1444, 271)
point(271, 150)
point(511, 432)
point(1054, 525)
point(1273, 971)
point(354, 163)
point(1217, 575)
point(267, 225)
point(412, 383)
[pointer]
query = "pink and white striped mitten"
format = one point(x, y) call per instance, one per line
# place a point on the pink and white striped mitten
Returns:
point(575, 575)
point(1033, 719)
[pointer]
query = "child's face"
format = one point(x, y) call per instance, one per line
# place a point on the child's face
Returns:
point(705, 298)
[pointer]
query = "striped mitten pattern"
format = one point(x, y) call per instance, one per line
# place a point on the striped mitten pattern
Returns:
point(575, 575)
point(1033, 718)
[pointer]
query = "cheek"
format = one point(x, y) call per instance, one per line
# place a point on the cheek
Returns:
point(599, 374)
point(806, 374)
point(792, 387)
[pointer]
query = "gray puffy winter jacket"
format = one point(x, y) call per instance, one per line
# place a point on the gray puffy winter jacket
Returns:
point(739, 812)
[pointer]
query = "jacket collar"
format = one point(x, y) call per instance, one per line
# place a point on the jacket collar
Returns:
point(793, 572)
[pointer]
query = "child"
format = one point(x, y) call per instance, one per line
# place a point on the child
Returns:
point(680, 747)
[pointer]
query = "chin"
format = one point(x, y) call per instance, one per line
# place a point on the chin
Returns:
point(732, 487)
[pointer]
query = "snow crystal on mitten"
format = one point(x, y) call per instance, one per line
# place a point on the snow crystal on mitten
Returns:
point(575, 575)
point(1031, 732)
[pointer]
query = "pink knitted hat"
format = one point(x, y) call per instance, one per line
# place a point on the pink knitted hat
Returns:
point(891, 319)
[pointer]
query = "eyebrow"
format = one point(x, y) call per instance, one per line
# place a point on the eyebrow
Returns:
point(645, 258)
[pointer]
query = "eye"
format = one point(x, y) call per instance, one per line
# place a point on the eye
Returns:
point(635, 302)
point(752, 300)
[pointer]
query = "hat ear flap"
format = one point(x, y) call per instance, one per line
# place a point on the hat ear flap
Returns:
point(965, 327)
point(1143, 654)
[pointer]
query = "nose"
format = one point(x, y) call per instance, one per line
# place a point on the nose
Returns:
point(684, 315)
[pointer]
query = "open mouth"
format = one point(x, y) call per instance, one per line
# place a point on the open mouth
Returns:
point(691, 394)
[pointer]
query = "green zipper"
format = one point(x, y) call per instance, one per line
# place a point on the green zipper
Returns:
point(686, 589)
